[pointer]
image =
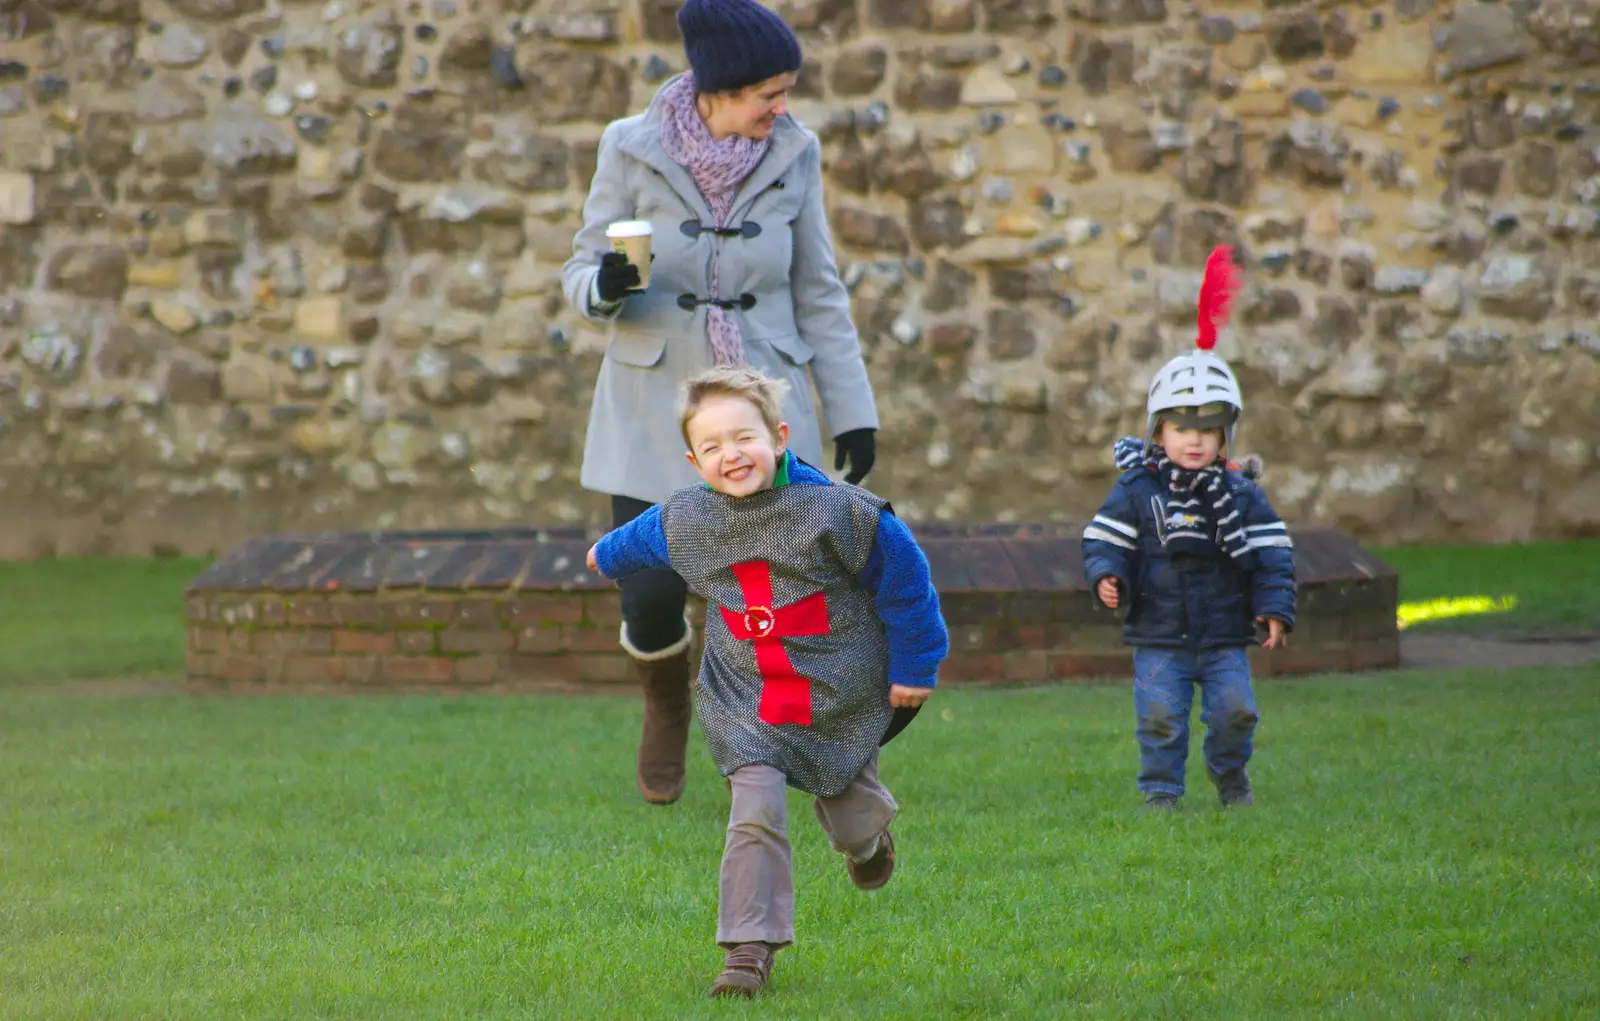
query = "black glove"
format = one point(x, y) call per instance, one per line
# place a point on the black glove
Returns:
point(860, 447)
point(617, 277)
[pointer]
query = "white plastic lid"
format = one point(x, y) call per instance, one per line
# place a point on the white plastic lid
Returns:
point(628, 229)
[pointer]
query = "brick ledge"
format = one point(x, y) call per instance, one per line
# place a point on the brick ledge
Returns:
point(515, 609)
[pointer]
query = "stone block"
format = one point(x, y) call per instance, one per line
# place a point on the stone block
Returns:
point(214, 227)
point(538, 608)
point(157, 274)
point(606, 670)
point(89, 271)
point(1026, 149)
point(988, 86)
point(174, 315)
point(414, 670)
point(417, 643)
point(1260, 105)
point(1398, 55)
point(320, 319)
point(1485, 35)
point(363, 642)
point(461, 639)
point(17, 200)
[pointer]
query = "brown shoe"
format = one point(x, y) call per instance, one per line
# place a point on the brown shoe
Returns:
point(875, 871)
point(667, 709)
point(745, 971)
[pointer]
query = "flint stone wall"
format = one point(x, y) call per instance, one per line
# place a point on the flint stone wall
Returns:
point(285, 267)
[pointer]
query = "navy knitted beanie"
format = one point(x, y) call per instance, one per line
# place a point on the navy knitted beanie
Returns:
point(735, 43)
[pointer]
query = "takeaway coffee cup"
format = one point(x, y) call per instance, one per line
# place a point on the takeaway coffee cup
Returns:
point(632, 238)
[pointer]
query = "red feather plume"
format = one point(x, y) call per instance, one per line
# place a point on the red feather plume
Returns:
point(1222, 281)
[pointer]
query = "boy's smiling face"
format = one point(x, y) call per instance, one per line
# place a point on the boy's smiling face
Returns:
point(1190, 448)
point(732, 448)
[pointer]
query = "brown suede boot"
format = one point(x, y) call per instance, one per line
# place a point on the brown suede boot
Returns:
point(664, 676)
point(745, 972)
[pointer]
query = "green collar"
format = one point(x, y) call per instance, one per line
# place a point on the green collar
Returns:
point(779, 480)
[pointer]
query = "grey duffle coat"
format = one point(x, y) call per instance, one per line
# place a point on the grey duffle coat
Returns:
point(783, 258)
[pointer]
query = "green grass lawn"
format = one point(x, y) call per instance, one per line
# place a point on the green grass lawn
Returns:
point(1424, 846)
point(90, 617)
point(1546, 586)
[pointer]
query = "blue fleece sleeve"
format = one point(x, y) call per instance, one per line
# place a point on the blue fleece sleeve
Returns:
point(637, 546)
point(803, 474)
point(902, 590)
point(1272, 583)
point(1111, 540)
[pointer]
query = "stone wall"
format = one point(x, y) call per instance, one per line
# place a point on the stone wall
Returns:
point(268, 267)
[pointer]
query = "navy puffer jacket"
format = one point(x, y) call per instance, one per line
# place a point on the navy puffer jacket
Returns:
point(1188, 601)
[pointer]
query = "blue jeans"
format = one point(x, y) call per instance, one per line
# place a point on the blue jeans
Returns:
point(1163, 693)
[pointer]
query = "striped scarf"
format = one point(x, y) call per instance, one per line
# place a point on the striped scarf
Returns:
point(1201, 516)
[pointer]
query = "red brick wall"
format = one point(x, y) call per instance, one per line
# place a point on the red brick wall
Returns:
point(567, 641)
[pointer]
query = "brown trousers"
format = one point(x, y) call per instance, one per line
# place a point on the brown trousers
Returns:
point(757, 883)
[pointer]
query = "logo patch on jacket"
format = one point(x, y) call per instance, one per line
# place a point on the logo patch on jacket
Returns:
point(1171, 522)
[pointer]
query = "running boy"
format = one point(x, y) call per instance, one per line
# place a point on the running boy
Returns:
point(823, 636)
point(1192, 552)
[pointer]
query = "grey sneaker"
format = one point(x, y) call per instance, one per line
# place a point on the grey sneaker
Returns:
point(1233, 788)
point(1161, 802)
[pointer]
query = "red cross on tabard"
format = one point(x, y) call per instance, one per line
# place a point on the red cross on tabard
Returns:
point(785, 695)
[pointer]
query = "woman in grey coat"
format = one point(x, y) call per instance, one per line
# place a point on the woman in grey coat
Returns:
point(743, 270)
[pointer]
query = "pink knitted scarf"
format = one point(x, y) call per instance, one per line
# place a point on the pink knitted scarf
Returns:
point(718, 168)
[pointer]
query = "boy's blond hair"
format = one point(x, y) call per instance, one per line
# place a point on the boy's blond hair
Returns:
point(740, 381)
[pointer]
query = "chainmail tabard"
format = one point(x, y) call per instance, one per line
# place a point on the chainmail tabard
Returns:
point(815, 538)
